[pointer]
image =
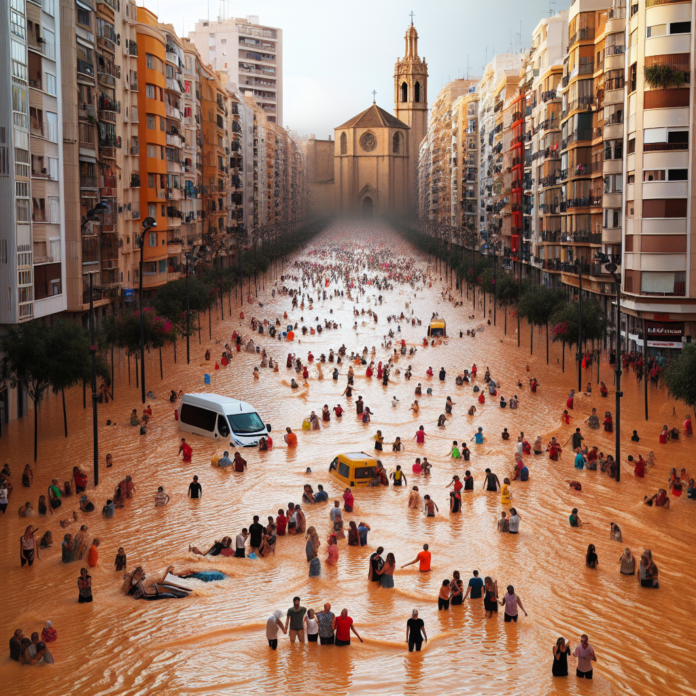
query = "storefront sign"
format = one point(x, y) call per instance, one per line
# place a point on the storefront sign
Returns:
point(129, 295)
point(664, 335)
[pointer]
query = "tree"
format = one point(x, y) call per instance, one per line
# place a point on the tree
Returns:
point(538, 305)
point(680, 376)
point(69, 360)
point(28, 363)
point(565, 323)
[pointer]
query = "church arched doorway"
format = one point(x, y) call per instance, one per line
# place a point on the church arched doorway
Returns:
point(367, 207)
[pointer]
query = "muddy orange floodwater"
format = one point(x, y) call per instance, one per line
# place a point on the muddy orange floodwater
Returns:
point(214, 641)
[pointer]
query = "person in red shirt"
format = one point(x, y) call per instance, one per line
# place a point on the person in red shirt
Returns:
point(688, 429)
point(239, 464)
point(419, 437)
point(186, 449)
point(343, 625)
point(458, 485)
point(639, 467)
point(80, 479)
point(338, 410)
point(281, 523)
point(423, 559)
point(482, 398)
point(664, 435)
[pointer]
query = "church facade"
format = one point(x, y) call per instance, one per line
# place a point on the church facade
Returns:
point(376, 153)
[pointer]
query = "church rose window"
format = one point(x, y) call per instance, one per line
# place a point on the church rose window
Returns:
point(368, 142)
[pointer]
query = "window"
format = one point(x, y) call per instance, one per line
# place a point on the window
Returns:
point(150, 91)
point(417, 92)
point(663, 283)
point(344, 144)
point(52, 126)
point(222, 41)
point(151, 181)
point(196, 417)
point(613, 183)
point(18, 25)
point(152, 210)
point(163, 266)
point(22, 210)
point(150, 60)
point(53, 168)
point(664, 208)
point(151, 151)
point(54, 211)
point(654, 175)
point(151, 121)
point(84, 17)
point(396, 146)
point(18, 52)
point(162, 124)
point(404, 92)
point(51, 84)
point(152, 239)
point(678, 175)
point(680, 28)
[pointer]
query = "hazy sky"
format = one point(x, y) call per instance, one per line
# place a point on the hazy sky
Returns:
point(336, 53)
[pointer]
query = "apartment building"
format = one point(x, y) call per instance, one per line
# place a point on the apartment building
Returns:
point(464, 203)
point(592, 147)
point(659, 276)
point(251, 56)
point(498, 84)
point(544, 68)
point(32, 237)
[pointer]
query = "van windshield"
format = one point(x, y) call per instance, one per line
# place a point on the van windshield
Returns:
point(246, 423)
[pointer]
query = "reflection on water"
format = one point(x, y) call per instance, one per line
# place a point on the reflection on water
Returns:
point(215, 642)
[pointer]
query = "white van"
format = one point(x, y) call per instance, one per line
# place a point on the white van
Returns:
point(213, 415)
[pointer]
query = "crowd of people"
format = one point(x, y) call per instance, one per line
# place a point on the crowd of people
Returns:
point(362, 274)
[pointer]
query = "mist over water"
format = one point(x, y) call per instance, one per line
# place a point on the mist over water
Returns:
point(214, 641)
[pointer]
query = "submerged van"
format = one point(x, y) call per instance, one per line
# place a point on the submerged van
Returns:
point(437, 328)
point(213, 415)
point(354, 468)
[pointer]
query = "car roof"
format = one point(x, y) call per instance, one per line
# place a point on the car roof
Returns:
point(203, 399)
point(357, 456)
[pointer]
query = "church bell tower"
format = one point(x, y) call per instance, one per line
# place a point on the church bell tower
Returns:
point(411, 97)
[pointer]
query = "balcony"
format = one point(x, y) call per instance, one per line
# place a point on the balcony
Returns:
point(172, 112)
point(664, 147)
point(135, 181)
point(666, 98)
point(88, 181)
point(174, 247)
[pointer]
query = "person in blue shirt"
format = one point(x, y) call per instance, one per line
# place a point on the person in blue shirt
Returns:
point(363, 529)
point(579, 459)
point(524, 473)
point(225, 460)
point(321, 495)
point(478, 436)
point(475, 587)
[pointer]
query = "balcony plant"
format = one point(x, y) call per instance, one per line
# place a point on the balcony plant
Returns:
point(664, 77)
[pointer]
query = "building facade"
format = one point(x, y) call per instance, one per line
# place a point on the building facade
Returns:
point(251, 56)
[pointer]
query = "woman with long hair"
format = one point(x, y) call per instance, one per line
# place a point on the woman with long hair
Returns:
point(27, 546)
point(456, 589)
point(353, 535)
point(313, 543)
point(386, 572)
point(591, 560)
point(560, 658)
point(332, 558)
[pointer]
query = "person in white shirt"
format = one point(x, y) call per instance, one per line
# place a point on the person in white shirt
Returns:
point(513, 522)
point(312, 626)
point(161, 498)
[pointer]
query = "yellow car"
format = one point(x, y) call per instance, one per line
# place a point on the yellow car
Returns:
point(354, 468)
point(437, 328)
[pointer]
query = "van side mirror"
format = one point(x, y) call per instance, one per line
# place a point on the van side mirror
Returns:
point(268, 427)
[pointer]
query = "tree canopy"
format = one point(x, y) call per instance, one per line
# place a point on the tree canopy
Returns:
point(680, 376)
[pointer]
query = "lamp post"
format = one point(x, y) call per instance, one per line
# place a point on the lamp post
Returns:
point(495, 282)
point(92, 216)
point(148, 224)
point(612, 266)
point(578, 265)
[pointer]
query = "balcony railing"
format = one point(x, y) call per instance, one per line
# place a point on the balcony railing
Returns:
point(665, 98)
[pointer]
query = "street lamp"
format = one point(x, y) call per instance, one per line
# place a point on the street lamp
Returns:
point(612, 266)
point(578, 265)
point(148, 224)
point(93, 216)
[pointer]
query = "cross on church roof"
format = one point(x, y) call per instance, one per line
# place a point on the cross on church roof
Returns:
point(374, 96)
point(412, 15)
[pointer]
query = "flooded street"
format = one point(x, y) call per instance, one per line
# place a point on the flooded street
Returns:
point(214, 642)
